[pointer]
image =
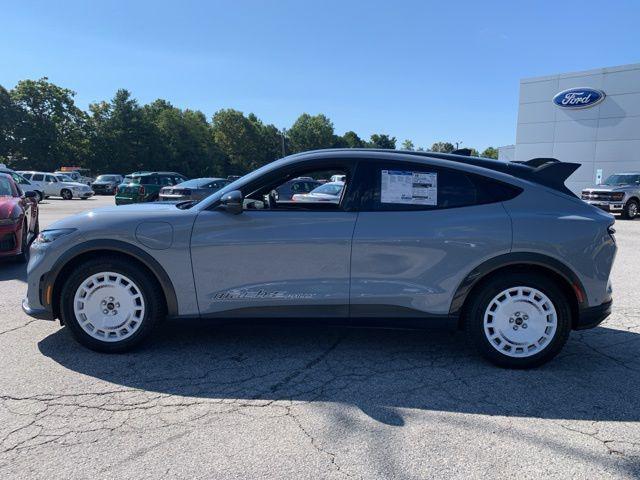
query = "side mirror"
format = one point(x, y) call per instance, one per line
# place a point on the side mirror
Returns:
point(30, 194)
point(232, 202)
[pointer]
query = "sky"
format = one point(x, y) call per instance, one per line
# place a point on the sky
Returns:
point(420, 70)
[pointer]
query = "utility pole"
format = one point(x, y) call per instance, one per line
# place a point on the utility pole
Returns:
point(283, 132)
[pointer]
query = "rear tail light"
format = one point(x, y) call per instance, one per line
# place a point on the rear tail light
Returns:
point(117, 190)
point(141, 190)
point(612, 232)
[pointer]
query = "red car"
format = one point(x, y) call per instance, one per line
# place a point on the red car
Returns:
point(18, 219)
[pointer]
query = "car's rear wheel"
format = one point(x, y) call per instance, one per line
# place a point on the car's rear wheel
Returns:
point(519, 320)
point(110, 305)
point(66, 194)
point(630, 210)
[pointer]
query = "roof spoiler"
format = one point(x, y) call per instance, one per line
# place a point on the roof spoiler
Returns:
point(551, 172)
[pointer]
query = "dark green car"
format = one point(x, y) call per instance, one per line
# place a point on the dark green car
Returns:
point(141, 187)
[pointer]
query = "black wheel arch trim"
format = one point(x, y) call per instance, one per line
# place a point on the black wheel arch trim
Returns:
point(124, 248)
point(516, 258)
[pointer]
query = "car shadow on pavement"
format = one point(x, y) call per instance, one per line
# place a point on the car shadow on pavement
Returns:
point(379, 371)
point(12, 270)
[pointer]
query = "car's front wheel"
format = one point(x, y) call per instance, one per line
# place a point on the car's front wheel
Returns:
point(630, 210)
point(66, 194)
point(110, 305)
point(519, 320)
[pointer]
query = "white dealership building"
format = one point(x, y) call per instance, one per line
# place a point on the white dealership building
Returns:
point(590, 117)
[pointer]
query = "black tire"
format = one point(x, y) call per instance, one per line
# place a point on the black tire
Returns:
point(630, 210)
point(154, 303)
point(39, 196)
point(481, 301)
point(24, 241)
point(66, 194)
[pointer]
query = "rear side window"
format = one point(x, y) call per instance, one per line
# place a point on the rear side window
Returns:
point(408, 187)
point(38, 177)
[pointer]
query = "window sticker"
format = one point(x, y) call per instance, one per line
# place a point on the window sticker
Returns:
point(409, 188)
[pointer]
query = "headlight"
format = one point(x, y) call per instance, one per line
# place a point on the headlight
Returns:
point(48, 236)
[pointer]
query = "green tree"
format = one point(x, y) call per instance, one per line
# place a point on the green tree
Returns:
point(270, 141)
point(490, 152)
point(408, 145)
point(9, 118)
point(381, 140)
point(351, 140)
point(239, 139)
point(184, 141)
point(311, 133)
point(442, 147)
point(123, 138)
point(51, 131)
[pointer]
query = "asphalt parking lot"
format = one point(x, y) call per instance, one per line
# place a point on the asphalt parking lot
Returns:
point(315, 402)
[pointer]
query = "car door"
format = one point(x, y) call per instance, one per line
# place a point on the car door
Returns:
point(264, 263)
point(421, 230)
point(51, 186)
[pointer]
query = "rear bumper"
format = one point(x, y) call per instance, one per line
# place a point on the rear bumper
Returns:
point(593, 316)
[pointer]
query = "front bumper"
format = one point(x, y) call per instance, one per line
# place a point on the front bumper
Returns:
point(607, 206)
point(83, 194)
point(36, 312)
point(592, 316)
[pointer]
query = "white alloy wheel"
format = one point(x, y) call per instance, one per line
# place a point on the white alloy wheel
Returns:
point(520, 322)
point(109, 306)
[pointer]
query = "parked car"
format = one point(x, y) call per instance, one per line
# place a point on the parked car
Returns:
point(620, 193)
point(145, 186)
point(18, 219)
point(194, 189)
point(286, 191)
point(502, 250)
point(106, 184)
point(24, 184)
point(328, 192)
point(77, 174)
point(58, 185)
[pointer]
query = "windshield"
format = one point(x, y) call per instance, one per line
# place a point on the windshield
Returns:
point(134, 180)
point(64, 178)
point(5, 187)
point(107, 178)
point(196, 182)
point(619, 179)
point(329, 189)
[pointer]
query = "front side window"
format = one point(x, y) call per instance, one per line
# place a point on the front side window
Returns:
point(268, 195)
point(51, 179)
point(398, 186)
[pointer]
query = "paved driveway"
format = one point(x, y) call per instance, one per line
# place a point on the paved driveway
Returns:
point(296, 401)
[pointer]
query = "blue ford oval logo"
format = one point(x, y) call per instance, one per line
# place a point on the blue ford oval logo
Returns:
point(578, 98)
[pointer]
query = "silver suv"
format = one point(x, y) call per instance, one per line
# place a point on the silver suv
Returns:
point(620, 193)
point(501, 250)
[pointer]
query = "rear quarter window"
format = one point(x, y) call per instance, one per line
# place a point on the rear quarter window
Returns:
point(455, 189)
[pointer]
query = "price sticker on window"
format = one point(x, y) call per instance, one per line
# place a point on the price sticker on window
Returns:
point(409, 188)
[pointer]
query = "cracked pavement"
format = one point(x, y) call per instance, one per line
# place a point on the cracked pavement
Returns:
point(304, 401)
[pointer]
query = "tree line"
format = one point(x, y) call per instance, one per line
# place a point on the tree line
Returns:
point(41, 128)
